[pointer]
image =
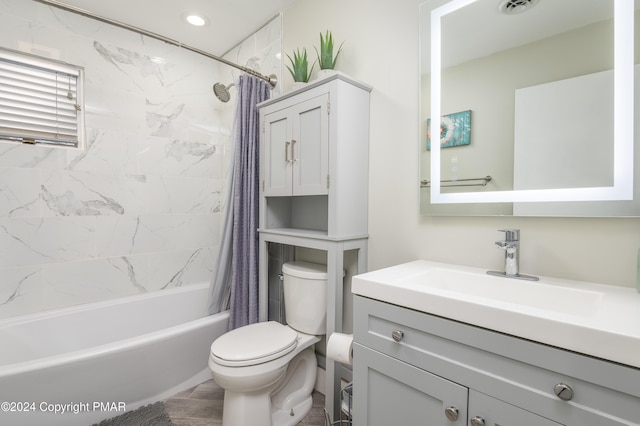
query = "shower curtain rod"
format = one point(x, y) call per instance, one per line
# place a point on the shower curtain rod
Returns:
point(272, 79)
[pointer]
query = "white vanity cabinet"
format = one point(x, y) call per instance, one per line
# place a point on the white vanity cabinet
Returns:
point(413, 368)
point(296, 146)
point(398, 393)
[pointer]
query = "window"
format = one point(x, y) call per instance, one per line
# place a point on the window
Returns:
point(41, 100)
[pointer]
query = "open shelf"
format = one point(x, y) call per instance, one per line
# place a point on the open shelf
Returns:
point(309, 213)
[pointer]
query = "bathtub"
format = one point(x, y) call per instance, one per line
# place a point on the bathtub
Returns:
point(98, 360)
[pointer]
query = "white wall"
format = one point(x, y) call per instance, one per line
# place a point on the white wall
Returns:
point(260, 51)
point(381, 49)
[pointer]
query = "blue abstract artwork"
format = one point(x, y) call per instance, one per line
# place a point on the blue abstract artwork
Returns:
point(455, 130)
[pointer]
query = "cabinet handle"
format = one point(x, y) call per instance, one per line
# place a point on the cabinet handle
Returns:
point(476, 421)
point(293, 156)
point(397, 335)
point(286, 151)
point(451, 413)
point(563, 391)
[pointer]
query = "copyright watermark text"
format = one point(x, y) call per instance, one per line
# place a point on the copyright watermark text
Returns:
point(58, 408)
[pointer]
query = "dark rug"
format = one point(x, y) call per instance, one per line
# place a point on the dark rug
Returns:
point(149, 415)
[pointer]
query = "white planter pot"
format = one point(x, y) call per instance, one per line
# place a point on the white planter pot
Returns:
point(325, 73)
point(298, 85)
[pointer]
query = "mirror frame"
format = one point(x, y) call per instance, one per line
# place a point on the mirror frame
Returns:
point(622, 188)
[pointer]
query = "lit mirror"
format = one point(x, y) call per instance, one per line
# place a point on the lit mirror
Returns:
point(533, 106)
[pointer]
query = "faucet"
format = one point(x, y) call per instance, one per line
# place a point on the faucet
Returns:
point(511, 247)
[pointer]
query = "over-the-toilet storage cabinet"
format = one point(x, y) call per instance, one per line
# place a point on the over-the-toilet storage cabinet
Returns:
point(314, 158)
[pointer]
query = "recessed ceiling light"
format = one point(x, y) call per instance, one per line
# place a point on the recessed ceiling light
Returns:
point(195, 19)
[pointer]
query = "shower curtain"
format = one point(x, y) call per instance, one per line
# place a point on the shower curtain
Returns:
point(234, 284)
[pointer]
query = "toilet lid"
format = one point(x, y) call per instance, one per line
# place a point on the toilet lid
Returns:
point(254, 344)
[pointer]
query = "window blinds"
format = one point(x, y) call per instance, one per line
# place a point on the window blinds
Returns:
point(40, 100)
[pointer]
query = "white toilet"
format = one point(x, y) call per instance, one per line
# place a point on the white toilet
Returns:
point(268, 370)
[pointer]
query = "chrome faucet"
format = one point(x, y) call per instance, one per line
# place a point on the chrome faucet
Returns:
point(511, 247)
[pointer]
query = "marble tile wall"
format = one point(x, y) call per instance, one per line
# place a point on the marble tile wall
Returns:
point(261, 51)
point(138, 209)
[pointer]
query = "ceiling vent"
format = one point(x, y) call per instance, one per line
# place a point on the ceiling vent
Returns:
point(514, 7)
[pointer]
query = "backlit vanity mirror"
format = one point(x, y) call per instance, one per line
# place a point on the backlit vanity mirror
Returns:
point(533, 106)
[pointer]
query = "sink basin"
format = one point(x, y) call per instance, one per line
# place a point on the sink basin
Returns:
point(590, 318)
point(539, 295)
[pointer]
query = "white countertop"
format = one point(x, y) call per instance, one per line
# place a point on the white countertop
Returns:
point(593, 319)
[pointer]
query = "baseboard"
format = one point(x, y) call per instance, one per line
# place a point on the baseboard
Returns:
point(321, 381)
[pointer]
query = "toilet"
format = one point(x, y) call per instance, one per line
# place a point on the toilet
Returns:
point(268, 370)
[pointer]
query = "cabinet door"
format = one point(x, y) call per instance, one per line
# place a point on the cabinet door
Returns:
point(277, 153)
point(390, 392)
point(487, 411)
point(310, 147)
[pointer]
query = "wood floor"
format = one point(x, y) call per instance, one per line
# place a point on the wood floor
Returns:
point(202, 406)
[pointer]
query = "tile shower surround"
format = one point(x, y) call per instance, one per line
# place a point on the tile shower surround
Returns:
point(139, 208)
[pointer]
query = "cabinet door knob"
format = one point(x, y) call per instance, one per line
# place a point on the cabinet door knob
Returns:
point(476, 421)
point(397, 335)
point(451, 413)
point(563, 391)
point(286, 152)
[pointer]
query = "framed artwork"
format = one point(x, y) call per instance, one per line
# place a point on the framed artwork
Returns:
point(455, 130)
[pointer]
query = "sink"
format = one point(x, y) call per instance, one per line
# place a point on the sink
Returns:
point(539, 295)
point(594, 319)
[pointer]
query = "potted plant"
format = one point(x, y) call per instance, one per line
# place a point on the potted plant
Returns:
point(326, 59)
point(299, 68)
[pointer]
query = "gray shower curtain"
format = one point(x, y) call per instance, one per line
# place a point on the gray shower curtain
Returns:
point(234, 284)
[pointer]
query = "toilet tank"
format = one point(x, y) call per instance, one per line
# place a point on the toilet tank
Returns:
point(305, 296)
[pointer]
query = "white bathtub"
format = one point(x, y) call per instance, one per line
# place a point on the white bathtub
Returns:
point(98, 359)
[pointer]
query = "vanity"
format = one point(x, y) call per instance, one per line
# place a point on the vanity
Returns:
point(440, 344)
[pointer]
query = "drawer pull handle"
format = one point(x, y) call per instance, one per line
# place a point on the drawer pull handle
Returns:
point(477, 421)
point(451, 413)
point(397, 335)
point(563, 391)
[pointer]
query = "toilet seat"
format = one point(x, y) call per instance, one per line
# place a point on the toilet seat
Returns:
point(254, 344)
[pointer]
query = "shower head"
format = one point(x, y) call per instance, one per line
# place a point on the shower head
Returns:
point(222, 92)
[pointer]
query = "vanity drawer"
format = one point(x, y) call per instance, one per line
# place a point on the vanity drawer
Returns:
point(519, 372)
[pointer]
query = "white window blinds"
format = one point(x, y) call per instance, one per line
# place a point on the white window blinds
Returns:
point(41, 100)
